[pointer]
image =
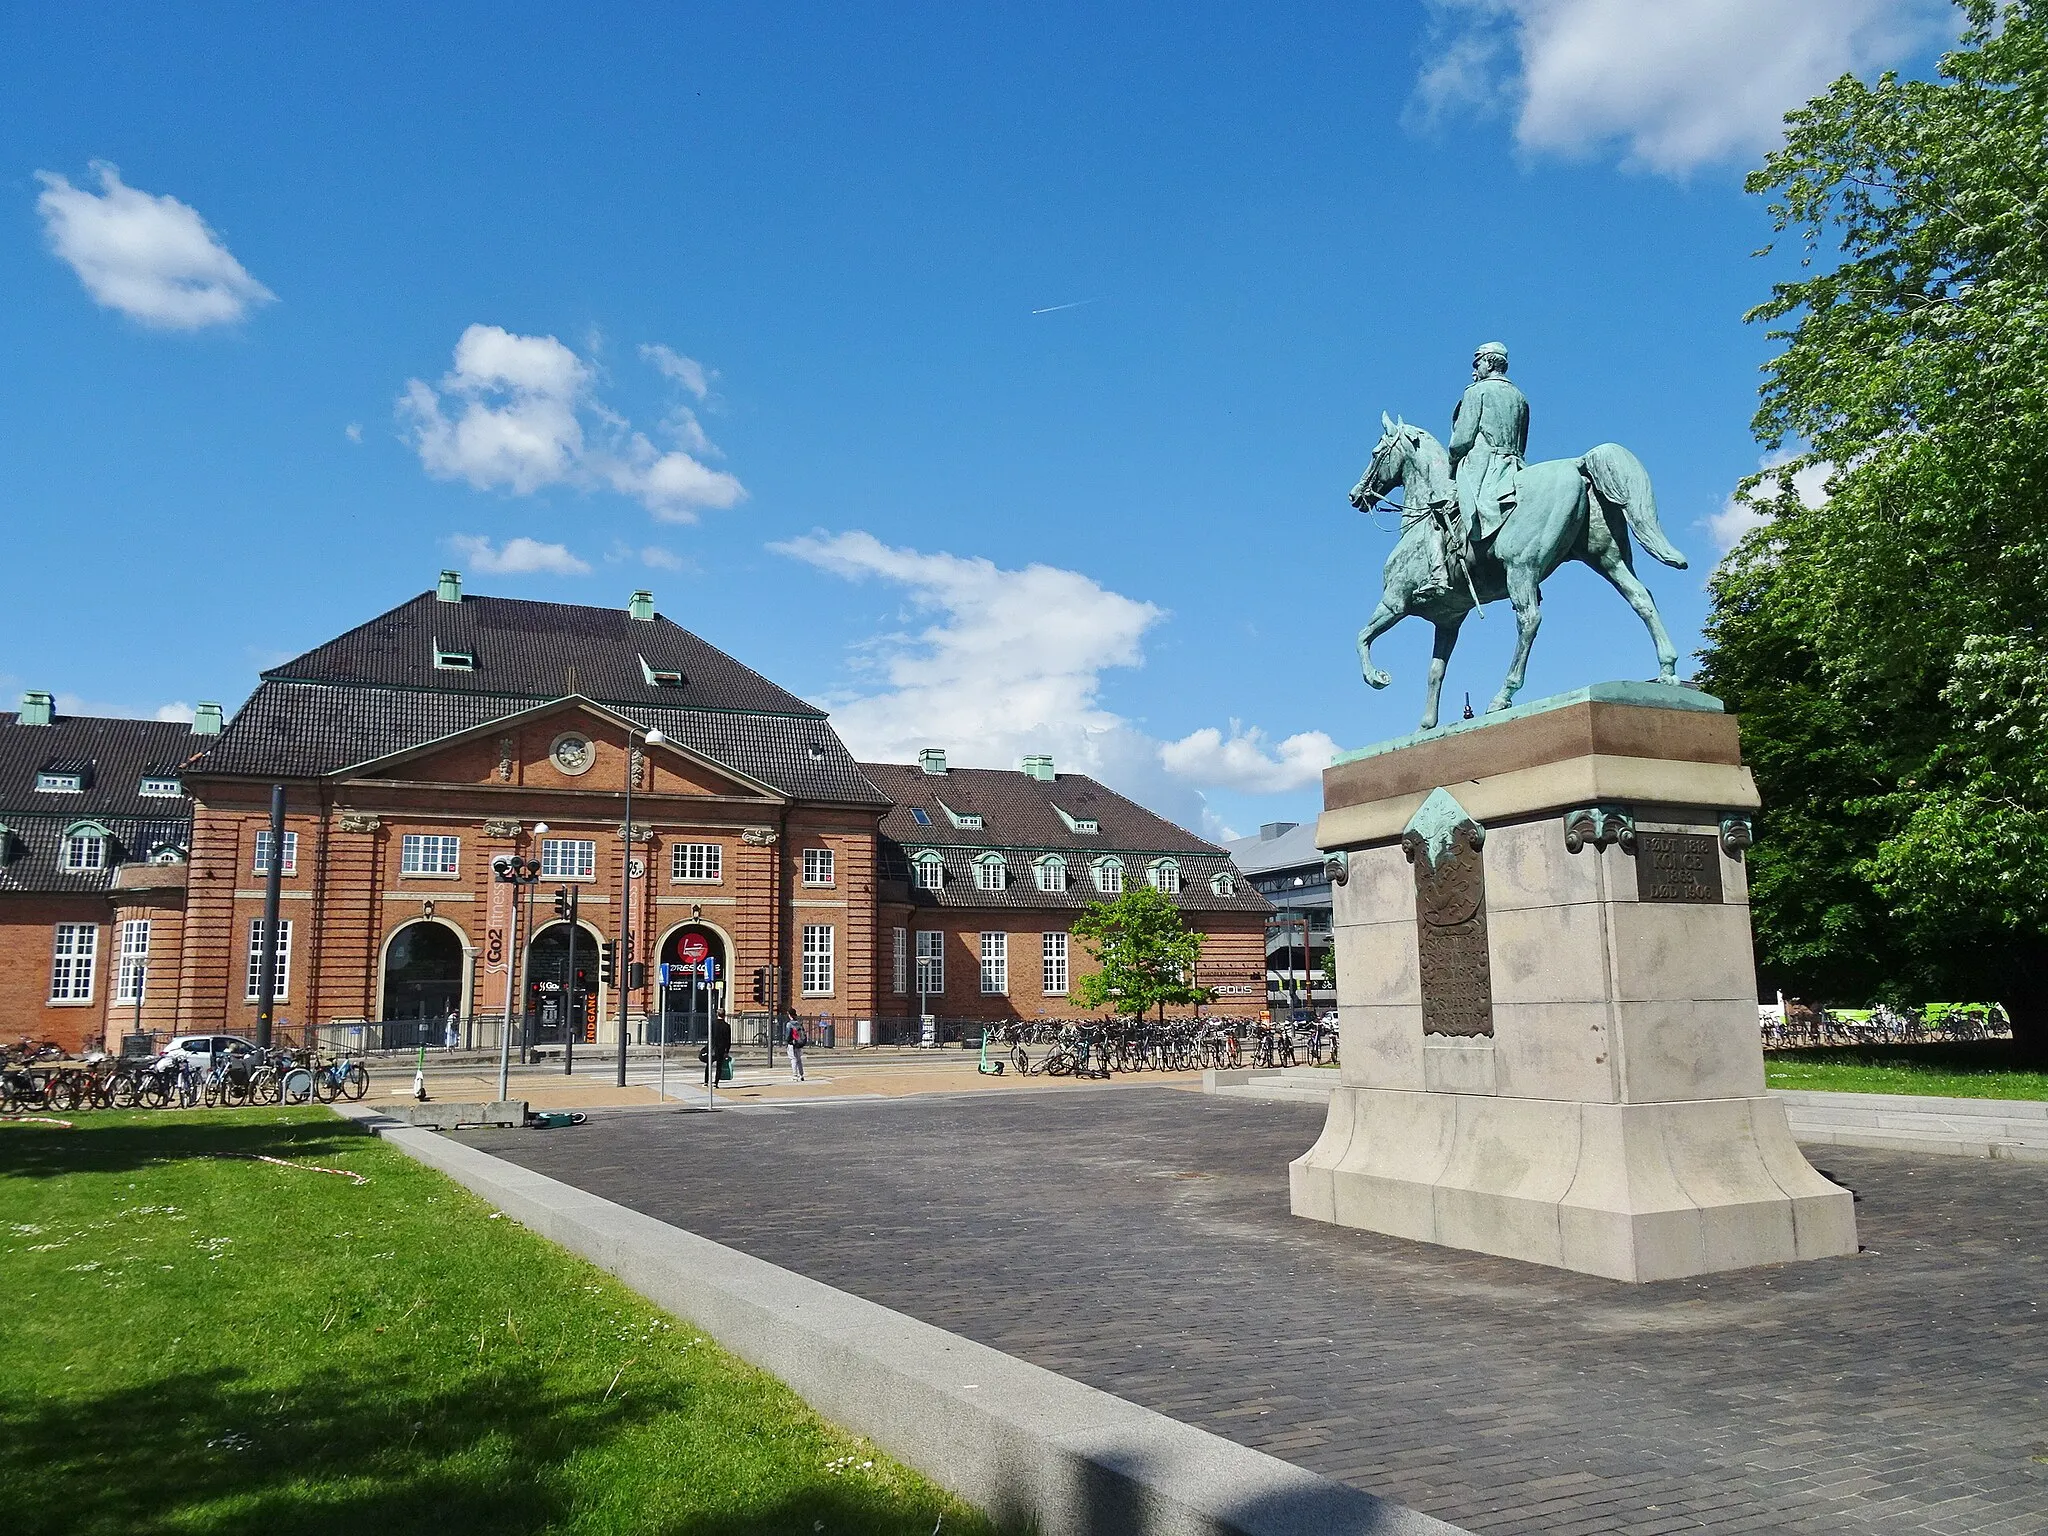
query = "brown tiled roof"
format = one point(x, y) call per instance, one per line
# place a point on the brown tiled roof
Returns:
point(113, 756)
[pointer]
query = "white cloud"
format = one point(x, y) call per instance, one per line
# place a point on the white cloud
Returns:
point(1240, 760)
point(1011, 662)
point(1677, 83)
point(78, 705)
point(518, 557)
point(152, 258)
point(353, 431)
point(686, 371)
point(660, 559)
point(520, 413)
point(1739, 513)
point(177, 709)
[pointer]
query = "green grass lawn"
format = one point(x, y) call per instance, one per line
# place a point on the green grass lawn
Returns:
point(192, 1342)
point(1984, 1069)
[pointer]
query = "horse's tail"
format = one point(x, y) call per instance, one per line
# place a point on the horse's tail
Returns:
point(1621, 480)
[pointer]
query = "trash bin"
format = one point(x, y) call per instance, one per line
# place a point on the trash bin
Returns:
point(827, 1033)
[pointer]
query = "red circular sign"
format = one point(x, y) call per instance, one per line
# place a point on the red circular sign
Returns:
point(694, 948)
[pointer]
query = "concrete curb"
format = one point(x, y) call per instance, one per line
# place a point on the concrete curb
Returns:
point(1034, 1449)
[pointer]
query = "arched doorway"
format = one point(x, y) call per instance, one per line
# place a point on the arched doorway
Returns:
point(689, 1001)
point(424, 969)
point(553, 997)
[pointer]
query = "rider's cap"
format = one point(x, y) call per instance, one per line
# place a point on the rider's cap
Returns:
point(1497, 349)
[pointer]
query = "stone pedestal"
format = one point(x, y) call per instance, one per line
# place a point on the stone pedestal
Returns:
point(1548, 997)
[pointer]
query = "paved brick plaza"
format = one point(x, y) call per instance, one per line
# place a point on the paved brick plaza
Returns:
point(1138, 1239)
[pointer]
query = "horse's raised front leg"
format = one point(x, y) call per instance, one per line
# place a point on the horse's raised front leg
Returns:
point(1525, 591)
point(1439, 658)
point(1383, 619)
point(1630, 586)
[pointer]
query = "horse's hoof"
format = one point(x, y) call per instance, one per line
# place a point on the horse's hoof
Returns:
point(1500, 702)
point(1378, 679)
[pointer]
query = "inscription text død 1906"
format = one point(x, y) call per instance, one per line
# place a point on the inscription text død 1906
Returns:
point(1677, 866)
point(1450, 933)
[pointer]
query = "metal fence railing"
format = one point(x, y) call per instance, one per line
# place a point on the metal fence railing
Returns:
point(1794, 1024)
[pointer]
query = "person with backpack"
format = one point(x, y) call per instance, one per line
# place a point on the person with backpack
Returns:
point(793, 1037)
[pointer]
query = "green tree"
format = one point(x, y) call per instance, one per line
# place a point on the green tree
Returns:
point(1885, 648)
point(1144, 953)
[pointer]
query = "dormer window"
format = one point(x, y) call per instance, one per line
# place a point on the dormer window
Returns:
point(991, 873)
point(1109, 877)
point(154, 788)
point(1084, 825)
point(453, 661)
point(60, 783)
point(1222, 885)
point(966, 821)
point(660, 677)
point(1165, 877)
point(85, 848)
point(929, 871)
point(1052, 873)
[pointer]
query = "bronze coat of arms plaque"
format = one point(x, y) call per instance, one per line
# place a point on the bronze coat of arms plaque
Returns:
point(1677, 866)
point(1450, 933)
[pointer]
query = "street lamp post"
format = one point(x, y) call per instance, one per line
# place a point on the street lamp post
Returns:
point(652, 738)
point(515, 872)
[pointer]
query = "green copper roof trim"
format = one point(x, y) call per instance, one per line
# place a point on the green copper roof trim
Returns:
point(1643, 695)
point(1436, 822)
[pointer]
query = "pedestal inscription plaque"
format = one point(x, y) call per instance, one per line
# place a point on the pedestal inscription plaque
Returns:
point(1677, 866)
point(1450, 933)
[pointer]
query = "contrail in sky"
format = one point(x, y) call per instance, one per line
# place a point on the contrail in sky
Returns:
point(1055, 308)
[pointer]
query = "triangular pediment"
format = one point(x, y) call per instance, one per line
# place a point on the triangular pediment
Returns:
point(565, 745)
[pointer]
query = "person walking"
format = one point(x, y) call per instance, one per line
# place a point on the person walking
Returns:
point(719, 1052)
point(793, 1037)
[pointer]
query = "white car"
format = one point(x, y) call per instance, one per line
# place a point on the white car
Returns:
point(200, 1049)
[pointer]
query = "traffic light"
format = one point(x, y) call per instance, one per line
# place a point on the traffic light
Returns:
point(562, 903)
point(760, 983)
point(608, 962)
point(636, 975)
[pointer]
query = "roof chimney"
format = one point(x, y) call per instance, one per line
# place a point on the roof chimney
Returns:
point(641, 605)
point(933, 761)
point(37, 708)
point(206, 719)
point(1273, 829)
point(450, 589)
point(1039, 766)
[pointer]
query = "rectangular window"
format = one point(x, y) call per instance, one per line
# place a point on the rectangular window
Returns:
point(284, 958)
point(1055, 965)
point(991, 875)
point(71, 962)
point(931, 963)
point(995, 964)
point(920, 815)
point(85, 850)
point(1052, 875)
point(817, 866)
point(1109, 879)
point(1166, 877)
point(424, 853)
point(155, 788)
point(60, 783)
point(568, 858)
point(703, 862)
point(817, 960)
point(900, 954)
point(134, 964)
point(930, 871)
point(291, 852)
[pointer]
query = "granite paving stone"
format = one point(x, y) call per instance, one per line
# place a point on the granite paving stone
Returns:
point(1139, 1240)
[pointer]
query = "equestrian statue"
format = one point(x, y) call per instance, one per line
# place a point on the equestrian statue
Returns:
point(1479, 525)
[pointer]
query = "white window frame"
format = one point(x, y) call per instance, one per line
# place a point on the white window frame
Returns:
point(991, 872)
point(1052, 873)
point(696, 863)
point(74, 957)
point(1054, 975)
point(1165, 877)
point(568, 858)
point(928, 872)
point(995, 965)
point(133, 964)
point(254, 974)
point(60, 783)
point(1109, 877)
point(158, 787)
point(84, 852)
point(817, 960)
point(259, 861)
point(820, 867)
point(900, 956)
point(415, 848)
point(931, 962)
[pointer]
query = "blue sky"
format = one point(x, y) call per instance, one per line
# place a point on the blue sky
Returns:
point(762, 308)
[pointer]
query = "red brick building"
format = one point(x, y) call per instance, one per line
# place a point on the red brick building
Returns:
point(420, 747)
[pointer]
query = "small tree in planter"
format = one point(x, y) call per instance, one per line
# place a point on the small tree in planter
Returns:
point(1144, 953)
